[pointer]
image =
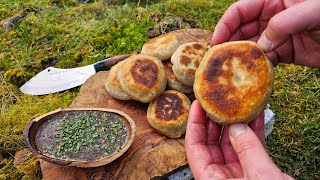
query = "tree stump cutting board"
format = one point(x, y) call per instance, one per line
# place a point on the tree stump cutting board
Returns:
point(151, 154)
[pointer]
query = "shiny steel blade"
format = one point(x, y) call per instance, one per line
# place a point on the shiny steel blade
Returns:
point(53, 80)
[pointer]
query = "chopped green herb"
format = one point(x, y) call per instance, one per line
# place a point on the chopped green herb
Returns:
point(84, 136)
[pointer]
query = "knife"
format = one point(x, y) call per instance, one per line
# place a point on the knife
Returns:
point(53, 80)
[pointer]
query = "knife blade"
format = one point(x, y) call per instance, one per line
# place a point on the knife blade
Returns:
point(53, 79)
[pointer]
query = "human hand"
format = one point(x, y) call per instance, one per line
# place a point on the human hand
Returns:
point(238, 153)
point(287, 30)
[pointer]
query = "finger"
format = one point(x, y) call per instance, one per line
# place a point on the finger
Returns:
point(283, 54)
point(298, 18)
point(229, 154)
point(253, 158)
point(213, 138)
point(254, 38)
point(246, 31)
point(273, 57)
point(257, 127)
point(198, 154)
point(238, 13)
point(293, 3)
point(213, 132)
point(196, 132)
point(270, 8)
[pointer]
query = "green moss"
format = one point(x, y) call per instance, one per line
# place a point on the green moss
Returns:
point(18, 76)
point(121, 39)
point(63, 3)
point(12, 125)
point(30, 168)
point(31, 107)
point(4, 13)
point(8, 171)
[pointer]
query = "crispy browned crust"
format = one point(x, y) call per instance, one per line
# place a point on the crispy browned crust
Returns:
point(234, 82)
point(186, 61)
point(161, 47)
point(173, 82)
point(113, 85)
point(143, 77)
point(168, 114)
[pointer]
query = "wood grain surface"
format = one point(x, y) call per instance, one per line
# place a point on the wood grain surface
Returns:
point(151, 154)
point(193, 35)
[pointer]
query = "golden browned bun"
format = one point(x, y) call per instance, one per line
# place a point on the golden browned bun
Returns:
point(142, 77)
point(113, 85)
point(234, 82)
point(173, 82)
point(168, 114)
point(186, 60)
point(161, 47)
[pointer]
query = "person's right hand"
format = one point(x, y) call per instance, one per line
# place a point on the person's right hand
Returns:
point(287, 30)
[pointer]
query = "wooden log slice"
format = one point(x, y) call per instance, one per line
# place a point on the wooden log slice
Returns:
point(150, 155)
point(193, 35)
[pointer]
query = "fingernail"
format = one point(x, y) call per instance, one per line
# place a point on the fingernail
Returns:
point(265, 43)
point(212, 43)
point(237, 129)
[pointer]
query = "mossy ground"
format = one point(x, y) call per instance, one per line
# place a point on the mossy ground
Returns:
point(70, 33)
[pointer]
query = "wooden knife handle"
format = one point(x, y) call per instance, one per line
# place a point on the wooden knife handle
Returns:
point(106, 64)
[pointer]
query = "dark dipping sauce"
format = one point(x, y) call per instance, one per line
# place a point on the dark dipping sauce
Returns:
point(82, 135)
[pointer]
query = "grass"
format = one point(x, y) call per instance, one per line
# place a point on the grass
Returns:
point(295, 141)
point(66, 33)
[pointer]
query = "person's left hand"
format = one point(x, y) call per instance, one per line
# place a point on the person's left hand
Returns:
point(216, 152)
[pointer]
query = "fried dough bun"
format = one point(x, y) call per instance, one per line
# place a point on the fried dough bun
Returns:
point(234, 82)
point(173, 82)
point(142, 77)
point(161, 47)
point(186, 60)
point(113, 85)
point(168, 114)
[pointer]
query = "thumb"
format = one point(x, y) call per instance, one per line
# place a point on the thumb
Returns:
point(298, 18)
point(253, 158)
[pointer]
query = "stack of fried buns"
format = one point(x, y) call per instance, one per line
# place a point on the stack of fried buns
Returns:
point(232, 81)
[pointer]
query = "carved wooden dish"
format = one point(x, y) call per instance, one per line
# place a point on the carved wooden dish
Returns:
point(52, 138)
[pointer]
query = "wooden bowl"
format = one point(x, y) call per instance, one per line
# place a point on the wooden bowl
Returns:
point(33, 126)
